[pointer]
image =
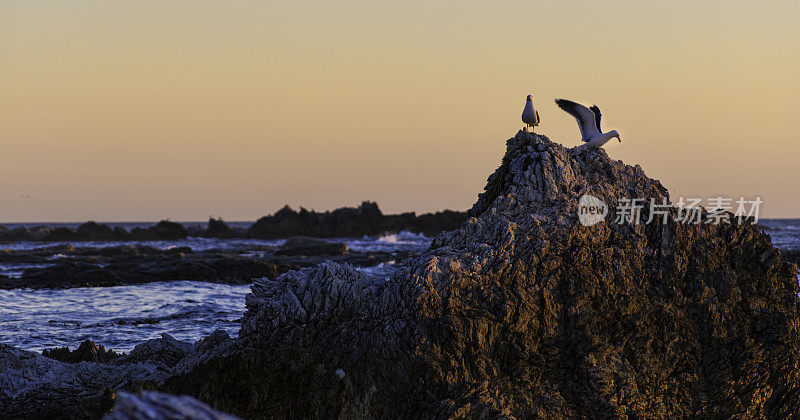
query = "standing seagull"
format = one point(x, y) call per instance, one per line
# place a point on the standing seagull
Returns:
point(530, 116)
point(589, 122)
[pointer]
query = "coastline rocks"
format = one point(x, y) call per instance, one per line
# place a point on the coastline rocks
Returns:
point(367, 219)
point(524, 312)
point(364, 220)
point(64, 266)
point(88, 351)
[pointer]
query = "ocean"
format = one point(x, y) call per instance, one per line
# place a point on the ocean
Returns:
point(121, 317)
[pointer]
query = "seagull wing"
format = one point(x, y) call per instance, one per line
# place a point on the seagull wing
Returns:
point(597, 116)
point(584, 116)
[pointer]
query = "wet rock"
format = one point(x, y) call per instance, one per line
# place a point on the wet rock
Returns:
point(88, 351)
point(65, 274)
point(153, 405)
point(303, 245)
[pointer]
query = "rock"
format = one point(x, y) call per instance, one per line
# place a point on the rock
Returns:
point(64, 266)
point(88, 351)
point(162, 231)
point(34, 386)
point(91, 231)
point(217, 228)
point(65, 274)
point(38, 233)
point(61, 234)
point(367, 219)
point(524, 312)
point(166, 352)
point(303, 245)
point(520, 312)
point(153, 405)
point(793, 256)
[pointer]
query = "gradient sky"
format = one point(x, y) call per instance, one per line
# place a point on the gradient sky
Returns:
point(150, 109)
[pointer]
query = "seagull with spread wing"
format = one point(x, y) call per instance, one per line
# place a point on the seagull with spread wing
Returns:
point(589, 122)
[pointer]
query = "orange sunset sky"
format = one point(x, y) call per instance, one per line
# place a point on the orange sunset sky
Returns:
point(143, 110)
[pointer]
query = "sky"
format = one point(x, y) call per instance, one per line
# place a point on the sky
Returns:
point(139, 110)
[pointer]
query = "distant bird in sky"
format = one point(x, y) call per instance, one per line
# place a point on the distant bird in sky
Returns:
point(589, 122)
point(529, 115)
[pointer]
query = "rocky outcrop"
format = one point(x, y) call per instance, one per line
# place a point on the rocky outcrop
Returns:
point(217, 228)
point(162, 231)
point(153, 405)
point(521, 311)
point(364, 220)
point(88, 351)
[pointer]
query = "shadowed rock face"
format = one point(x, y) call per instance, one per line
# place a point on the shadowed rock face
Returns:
point(523, 311)
point(157, 406)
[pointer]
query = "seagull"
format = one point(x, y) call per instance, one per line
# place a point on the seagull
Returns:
point(530, 116)
point(589, 122)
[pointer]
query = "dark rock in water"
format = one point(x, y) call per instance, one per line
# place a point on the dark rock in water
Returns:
point(303, 245)
point(163, 231)
point(22, 233)
point(88, 351)
point(153, 405)
point(65, 275)
point(64, 266)
point(92, 231)
point(524, 312)
point(61, 234)
point(367, 219)
point(217, 228)
point(520, 312)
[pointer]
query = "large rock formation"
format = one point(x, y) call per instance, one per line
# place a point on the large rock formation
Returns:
point(521, 311)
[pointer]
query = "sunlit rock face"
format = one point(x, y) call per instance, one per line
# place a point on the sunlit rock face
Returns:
point(523, 311)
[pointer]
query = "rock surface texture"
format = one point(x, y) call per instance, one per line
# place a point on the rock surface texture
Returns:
point(158, 406)
point(520, 312)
